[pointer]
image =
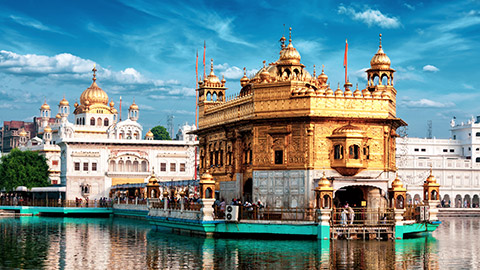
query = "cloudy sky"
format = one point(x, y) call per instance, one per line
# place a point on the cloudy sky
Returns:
point(146, 50)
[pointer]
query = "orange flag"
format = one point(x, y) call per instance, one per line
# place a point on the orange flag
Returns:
point(345, 60)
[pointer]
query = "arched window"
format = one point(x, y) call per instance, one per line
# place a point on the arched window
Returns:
point(99, 121)
point(214, 97)
point(400, 202)
point(112, 166)
point(144, 166)
point(434, 195)
point(208, 193)
point(128, 165)
point(121, 166)
point(92, 121)
point(327, 201)
point(209, 96)
point(135, 166)
point(105, 122)
point(338, 152)
point(353, 152)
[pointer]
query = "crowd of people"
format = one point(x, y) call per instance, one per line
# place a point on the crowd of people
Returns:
point(248, 210)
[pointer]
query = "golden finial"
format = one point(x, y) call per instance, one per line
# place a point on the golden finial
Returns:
point(380, 37)
point(314, 72)
point(211, 65)
point(323, 67)
point(94, 75)
point(264, 63)
point(282, 39)
point(290, 35)
point(357, 86)
point(244, 71)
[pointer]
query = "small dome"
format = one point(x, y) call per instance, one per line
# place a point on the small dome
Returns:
point(111, 103)
point(244, 80)
point(47, 129)
point(23, 133)
point(324, 182)
point(288, 54)
point(76, 104)
point(58, 116)
point(329, 92)
point(206, 177)
point(64, 102)
point(338, 92)
point(322, 78)
point(431, 178)
point(264, 75)
point(149, 134)
point(223, 80)
point(45, 106)
point(114, 111)
point(380, 60)
point(357, 92)
point(133, 106)
point(212, 78)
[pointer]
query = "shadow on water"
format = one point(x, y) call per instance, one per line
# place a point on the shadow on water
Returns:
point(106, 243)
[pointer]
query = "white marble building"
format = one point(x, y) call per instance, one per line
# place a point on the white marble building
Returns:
point(455, 163)
point(97, 150)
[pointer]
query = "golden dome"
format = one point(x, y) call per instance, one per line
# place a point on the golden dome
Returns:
point(288, 54)
point(149, 134)
point(94, 94)
point(47, 129)
point(324, 184)
point(64, 102)
point(431, 178)
point(58, 116)
point(329, 92)
point(76, 104)
point(397, 185)
point(212, 78)
point(338, 92)
point(114, 111)
point(357, 92)
point(264, 75)
point(380, 60)
point(153, 180)
point(23, 133)
point(244, 80)
point(366, 93)
point(206, 178)
point(323, 78)
point(133, 106)
point(45, 106)
point(111, 103)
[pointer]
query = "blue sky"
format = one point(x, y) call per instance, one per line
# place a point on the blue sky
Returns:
point(146, 50)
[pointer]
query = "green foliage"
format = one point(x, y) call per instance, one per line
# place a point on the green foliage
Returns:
point(160, 133)
point(23, 168)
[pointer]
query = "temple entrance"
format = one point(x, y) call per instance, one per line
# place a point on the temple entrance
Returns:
point(351, 195)
point(247, 190)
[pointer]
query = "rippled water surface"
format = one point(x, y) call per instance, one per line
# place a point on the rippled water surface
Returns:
point(94, 243)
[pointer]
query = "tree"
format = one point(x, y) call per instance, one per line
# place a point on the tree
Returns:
point(23, 168)
point(160, 133)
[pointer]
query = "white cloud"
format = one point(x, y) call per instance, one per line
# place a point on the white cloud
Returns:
point(409, 6)
point(430, 68)
point(467, 86)
point(370, 17)
point(308, 46)
point(233, 72)
point(30, 22)
point(425, 103)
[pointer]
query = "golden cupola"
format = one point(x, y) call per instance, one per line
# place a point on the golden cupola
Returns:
point(45, 106)
point(380, 60)
point(94, 99)
point(289, 55)
point(93, 94)
point(244, 80)
point(134, 106)
point(64, 102)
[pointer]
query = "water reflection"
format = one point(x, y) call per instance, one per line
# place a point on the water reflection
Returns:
point(73, 243)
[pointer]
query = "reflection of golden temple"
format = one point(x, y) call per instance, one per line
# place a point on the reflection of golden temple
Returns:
point(286, 125)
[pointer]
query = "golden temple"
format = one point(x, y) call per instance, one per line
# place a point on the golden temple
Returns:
point(273, 141)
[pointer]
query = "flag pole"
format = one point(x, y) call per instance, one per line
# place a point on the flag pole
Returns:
point(345, 62)
point(196, 111)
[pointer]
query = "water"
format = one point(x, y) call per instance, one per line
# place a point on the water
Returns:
point(94, 243)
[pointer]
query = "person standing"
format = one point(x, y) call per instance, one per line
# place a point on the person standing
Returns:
point(351, 213)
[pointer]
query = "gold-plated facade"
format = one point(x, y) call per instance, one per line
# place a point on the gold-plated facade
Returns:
point(285, 119)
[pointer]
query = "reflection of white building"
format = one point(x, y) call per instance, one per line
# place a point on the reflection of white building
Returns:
point(455, 163)
point(98, 150)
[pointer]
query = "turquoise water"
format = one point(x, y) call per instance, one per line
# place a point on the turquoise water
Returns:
point(116, 243)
